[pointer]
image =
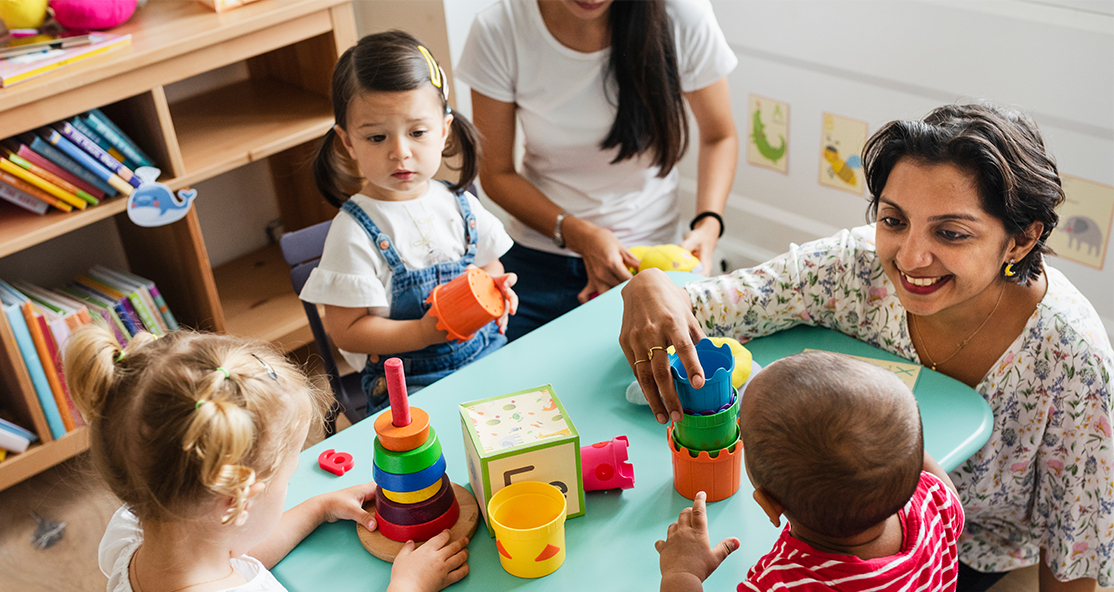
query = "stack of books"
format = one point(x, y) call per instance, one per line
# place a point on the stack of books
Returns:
point(24, 59)
point(40, 321)
point(69, 165)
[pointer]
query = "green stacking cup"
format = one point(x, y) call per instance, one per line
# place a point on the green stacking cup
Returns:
point(709, 432)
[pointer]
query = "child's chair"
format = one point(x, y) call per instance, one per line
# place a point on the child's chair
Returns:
point(302, 251)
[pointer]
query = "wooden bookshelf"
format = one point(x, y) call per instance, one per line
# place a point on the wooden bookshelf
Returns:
point(287, 49)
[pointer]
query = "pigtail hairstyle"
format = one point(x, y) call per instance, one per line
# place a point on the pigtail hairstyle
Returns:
point(651, 109)
point(387, 62)
point(1016, 177)
point(187, 421)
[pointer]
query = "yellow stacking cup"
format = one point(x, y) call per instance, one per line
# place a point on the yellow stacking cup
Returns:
point(529, 522)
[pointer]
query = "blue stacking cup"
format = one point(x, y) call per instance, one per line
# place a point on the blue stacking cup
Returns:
point(718, 364)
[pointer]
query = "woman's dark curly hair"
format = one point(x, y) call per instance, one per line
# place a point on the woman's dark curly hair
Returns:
point(1002, 148)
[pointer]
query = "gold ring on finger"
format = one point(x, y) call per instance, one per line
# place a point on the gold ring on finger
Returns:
point(650, 355)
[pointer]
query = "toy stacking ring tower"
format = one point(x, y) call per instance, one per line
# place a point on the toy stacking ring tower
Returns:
point(415, 500)
point(705, 445)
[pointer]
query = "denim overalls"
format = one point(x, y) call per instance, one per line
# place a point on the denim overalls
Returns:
point(409, 289)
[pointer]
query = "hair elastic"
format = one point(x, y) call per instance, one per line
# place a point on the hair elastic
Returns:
point(226, 374)
point(267, 367)
point(199, 403)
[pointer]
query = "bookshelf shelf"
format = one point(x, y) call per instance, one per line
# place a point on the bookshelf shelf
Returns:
point(259, 301)
point(285, 50)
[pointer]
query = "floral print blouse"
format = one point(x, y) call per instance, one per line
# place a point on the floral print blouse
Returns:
point(1046, 476)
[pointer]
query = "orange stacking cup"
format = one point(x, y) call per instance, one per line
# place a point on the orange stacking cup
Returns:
point(466, 304)
point(717, 476)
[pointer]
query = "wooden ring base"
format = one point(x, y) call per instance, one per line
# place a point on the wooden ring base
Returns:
point(384, 548)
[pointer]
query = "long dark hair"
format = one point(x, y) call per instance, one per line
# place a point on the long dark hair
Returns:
point(385, 62)
point(651, 110)
point(1002, 148)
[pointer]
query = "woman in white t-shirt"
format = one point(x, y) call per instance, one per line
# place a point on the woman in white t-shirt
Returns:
point(603, 132)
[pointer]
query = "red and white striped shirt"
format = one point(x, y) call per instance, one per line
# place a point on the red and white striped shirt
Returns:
point(928, 561)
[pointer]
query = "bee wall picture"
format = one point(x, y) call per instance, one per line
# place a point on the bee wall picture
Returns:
point(841, 142)
point(768, 140)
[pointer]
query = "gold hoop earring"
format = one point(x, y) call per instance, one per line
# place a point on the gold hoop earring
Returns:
point(1009, 271)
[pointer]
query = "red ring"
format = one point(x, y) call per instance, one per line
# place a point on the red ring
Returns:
point(417, 513)
point(418, 532)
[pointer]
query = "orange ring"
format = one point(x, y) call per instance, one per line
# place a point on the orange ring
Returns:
point(405, 438)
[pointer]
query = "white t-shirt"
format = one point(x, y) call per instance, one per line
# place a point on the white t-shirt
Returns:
point(560, 99)
point(425, 231)
point(122, 538)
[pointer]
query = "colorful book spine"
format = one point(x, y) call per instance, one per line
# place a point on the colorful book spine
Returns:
point(24, 67)
point(40, 160)
point(12, 168)
point(35, 370)
point(17, 430)
point(38, 338)
point(55, 139)
point(59, 158)
point(23, 199)
point(164, 310)
point(90, 147)
point(49, 176)
point(108, 130)
point(34, 192)
point(104, 309)
point(13, 442)
point(98, 140)
point(117, 298)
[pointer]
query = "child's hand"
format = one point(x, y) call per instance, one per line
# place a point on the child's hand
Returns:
point(348, 504)
point(431, 567)
point(504, 283)
point(686, 557)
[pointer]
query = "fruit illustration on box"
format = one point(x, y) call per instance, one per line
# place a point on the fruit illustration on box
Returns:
point(415, 499)
point(522, 436)
point(666, 257)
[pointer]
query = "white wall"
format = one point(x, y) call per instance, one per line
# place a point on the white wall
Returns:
point(879, 61)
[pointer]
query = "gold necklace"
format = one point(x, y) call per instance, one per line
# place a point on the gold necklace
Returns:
point(135, 576)
point(962, 344)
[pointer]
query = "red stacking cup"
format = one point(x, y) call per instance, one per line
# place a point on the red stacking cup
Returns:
point(466, 304)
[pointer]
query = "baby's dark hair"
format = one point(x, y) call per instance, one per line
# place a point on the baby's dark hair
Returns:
point(835, 441)
point(188, 420)
point(1002, 148)
point(393, 61)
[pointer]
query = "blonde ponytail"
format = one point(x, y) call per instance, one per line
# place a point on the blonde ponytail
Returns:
point(90, 366)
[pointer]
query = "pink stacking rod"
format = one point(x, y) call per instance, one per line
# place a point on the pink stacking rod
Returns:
point(396, 390)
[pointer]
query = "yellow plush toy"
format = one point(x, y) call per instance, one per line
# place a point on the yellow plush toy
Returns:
point(23, 14)
point(667, 257)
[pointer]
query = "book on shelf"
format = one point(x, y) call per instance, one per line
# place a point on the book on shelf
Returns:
point(10, 442)
point(122, 314)
point(22, 199)
point(35, 192)
point(48, 353)
point(74, 135)
point(18, 430)
point(138, 295)
point(14, 327)
point(116, 297)
point(84, 159)
point(25, 67)
point(48, 175)
point(60, 158)
point(25, 152)
point(57, 192)
point(97, 139)
point(108, 130)
point(160, 302)
point(99, 308)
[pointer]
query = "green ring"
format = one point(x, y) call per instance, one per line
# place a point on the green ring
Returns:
point(411, 461)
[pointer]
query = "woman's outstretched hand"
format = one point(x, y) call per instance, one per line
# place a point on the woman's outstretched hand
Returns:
point(605, 258)
point(656, 314)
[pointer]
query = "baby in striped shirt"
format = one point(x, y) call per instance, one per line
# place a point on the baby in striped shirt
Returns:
point(835, 445)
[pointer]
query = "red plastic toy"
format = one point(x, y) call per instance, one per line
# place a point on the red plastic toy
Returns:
point(605, 465)
point(337, 463)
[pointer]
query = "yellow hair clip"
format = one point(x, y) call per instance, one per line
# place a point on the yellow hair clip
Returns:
point(434, 69)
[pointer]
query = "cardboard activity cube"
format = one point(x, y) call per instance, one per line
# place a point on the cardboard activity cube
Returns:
point(522, 436)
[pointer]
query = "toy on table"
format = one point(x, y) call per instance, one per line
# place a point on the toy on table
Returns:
point(521, 436)
point(529, 522)
point(665, 257)
point(23, 14)
point(415, 499)
point(97, 15)
point(467, 303)
point(705, 444)
point(337, 463)
point(605, 465)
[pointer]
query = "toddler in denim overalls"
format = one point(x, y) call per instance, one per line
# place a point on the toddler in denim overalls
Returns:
point(401, 235)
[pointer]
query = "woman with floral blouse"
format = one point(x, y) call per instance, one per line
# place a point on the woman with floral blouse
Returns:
point(951, 276)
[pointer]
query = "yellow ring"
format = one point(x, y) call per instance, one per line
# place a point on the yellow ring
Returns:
point(637, 362)
point(413, 497)
point(650, 355)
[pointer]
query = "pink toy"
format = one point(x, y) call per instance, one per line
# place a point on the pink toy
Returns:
point(92, 14)
point(337, 463)
point(396, 390)
point(605, 465)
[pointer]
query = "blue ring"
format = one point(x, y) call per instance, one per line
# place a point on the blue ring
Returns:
point(412, 481)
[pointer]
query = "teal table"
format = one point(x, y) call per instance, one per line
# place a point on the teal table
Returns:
point(612, 546)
